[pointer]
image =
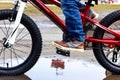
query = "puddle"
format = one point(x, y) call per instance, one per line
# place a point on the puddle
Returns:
point(64, 69)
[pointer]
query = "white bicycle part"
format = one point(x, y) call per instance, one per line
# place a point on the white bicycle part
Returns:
point(12, 36)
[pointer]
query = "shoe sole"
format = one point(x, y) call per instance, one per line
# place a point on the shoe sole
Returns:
point(66, 48)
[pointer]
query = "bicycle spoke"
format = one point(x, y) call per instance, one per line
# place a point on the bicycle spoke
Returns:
point(20, 51)
point(8, 29)
point(2, 31)
point(1, 50)
point(19, 33)
point(22, 37)
point(10, 56)
point(108, 35)
point(15, 53)
point(117, 26)
point(16, 56)
point(108, 51)
point(3, 58)
point(25, 45)
point(5, 28)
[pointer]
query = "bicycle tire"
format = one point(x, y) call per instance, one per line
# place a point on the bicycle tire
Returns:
point(103, 52)
point(26, 50)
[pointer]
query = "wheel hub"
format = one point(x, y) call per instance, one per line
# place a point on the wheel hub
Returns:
point(6, 45)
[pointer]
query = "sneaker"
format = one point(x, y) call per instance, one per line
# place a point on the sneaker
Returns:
point(70, 46)
point(88, 25)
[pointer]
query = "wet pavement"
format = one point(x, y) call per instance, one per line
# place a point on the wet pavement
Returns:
point(65, 69)
point(48, 68)
point(52, 68)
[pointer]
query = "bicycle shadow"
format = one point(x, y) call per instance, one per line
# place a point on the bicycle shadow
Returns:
point(20, 77)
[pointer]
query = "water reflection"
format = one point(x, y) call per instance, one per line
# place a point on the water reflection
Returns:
point(71, 70)
point(57, 63)
point(64, 69)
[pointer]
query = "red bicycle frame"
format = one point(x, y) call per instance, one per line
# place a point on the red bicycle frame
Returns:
point(42, 7)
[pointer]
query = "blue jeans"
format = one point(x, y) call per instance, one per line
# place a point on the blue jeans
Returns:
point(73, 20)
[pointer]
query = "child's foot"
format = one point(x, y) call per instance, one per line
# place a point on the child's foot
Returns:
point(94, 15)
point(70, 46)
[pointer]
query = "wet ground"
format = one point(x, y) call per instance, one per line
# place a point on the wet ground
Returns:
point(62, 68)
point(54, 68)
point(66, 69)
point(48, 68)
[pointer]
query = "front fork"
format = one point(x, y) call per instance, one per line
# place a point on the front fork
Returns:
point(12, 36)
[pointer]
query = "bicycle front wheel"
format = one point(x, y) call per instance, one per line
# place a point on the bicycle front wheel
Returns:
point(19, 57)
point(108, 55)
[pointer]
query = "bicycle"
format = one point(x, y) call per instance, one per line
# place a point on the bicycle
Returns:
point(21, 44)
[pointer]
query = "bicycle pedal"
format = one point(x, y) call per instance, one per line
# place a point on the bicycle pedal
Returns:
point(63, 52)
